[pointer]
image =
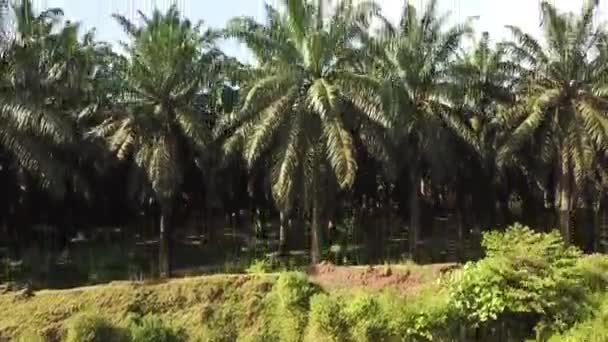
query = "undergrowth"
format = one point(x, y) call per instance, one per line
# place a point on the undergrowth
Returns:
point(529, 285)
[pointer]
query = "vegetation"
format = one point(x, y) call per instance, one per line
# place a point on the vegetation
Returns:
point(351, 139)
point(395, 120)
point(537, 288)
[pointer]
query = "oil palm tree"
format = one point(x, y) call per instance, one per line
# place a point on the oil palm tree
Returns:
point(46, 79)
point(157, 125)
point(303, 102)
point(561, 101)
point(483, 78)
point(410, 70)
point(46, 71)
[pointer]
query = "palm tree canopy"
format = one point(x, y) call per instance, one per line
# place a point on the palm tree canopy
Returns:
point(304, 100)
point(46, 79)
point(412, 67)
point(160, 124)
point(561, 96)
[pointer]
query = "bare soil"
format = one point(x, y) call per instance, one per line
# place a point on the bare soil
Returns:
point(404, 278)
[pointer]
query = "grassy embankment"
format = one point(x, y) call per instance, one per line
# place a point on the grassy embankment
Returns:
point(529, 286)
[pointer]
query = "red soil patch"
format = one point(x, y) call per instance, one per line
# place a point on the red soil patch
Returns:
point(402, 278)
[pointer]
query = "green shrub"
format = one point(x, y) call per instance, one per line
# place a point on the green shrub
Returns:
point(93, 328)
point(327, 320)
point(428, 316)
point(525, 277)
point(151, 328)
point(260, 266)
point(593, 329)
point(366, 319)
point(594, 272)
point(294, 290)
point(289, 306)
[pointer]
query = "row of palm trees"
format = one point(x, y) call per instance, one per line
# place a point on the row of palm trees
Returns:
point(344, 102)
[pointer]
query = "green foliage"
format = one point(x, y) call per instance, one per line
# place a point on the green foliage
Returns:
point(294, 290)
point(594, 272)
point(387, 316)
point(366, 318)
point(525, 276)
point(427, 316)
point(592, 329)
point(260, 266)
point(30, 336)
point(294, 109)
point(151, 328)
point(94, 328)
point(327, 320)
point(290, 305)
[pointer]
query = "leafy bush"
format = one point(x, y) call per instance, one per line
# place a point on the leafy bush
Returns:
point(290, 304)
point(260, 266)
point(151, 328)
point(294, 290)
point(327, 320)
point(426, 317)
point(525, 277)
point(387, 316)
point(594, 272)
point(593, 329)
point(366, 318)
point(93, 328)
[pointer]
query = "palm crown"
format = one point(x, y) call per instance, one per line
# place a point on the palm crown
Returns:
point(303, 100)
point(160, 120)
point(46, 80)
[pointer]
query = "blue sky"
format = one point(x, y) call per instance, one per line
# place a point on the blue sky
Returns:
point(494, 14)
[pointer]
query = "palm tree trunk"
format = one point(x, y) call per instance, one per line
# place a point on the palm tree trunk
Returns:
point(564, 198)
point(315, 231)
point(414, 201)
point(603, 224)
point(282, 234)
point(589, 224)
point(164, 244)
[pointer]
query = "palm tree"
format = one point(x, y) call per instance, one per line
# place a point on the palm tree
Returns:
point(45, 80)
point(561, 101)
point(483, 79)
point(410, 69)
point(304, 102)
point(159, 127)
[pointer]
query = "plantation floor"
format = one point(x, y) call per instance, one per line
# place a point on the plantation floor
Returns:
point(190, 302)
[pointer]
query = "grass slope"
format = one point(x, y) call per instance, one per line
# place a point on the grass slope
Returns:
point(190, 303)
point(203, 306)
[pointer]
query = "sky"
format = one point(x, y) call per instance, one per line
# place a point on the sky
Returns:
point(493, 14)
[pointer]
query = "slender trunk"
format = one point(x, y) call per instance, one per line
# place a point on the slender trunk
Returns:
point(164, 244)
point(282, 234)
point(565, 199)
point(315, 231)
point(590, 225)
point(603, 224)
point(460, 233)
point(504, 213)
point(414, 201)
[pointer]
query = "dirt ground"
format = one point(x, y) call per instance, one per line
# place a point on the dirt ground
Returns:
point(404, 278)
